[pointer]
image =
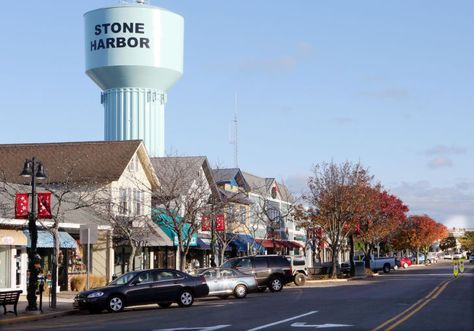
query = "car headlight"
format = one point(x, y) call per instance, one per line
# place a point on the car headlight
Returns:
point(95, 295)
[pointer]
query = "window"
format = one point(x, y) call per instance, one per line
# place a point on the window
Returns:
point(244, 263)
point(133, 165)
point(243, 215)
point(260, 262)
point(139, 200)
point(145, 277)
point(123, 210)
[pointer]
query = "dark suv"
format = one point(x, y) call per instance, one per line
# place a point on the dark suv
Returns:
point(272, 271)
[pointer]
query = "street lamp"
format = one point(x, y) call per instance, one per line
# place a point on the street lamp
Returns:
point(34, 169)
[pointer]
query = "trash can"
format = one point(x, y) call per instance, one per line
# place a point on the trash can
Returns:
point(359, 268)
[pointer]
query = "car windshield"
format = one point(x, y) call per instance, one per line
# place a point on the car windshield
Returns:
point(124, 279)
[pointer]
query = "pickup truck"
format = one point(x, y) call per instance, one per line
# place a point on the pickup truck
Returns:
point(379, 263)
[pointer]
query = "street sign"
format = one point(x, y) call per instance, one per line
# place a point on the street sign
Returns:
point(455, 268)
point(88, 233)
point(461, 265)
point(359, 245)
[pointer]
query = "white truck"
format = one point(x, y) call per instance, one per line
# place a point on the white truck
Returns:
point(379, 263)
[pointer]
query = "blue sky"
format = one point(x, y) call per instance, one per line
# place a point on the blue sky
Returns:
point(389, 84)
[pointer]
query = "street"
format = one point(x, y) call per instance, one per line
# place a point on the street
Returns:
point(418, 298)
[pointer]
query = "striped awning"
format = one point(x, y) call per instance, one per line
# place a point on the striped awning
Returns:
point(12, 238)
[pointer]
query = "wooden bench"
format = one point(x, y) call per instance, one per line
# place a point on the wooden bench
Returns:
point(9, 298)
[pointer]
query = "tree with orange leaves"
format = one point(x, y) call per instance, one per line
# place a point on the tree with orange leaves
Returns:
point(418, 233)
point(380, 216)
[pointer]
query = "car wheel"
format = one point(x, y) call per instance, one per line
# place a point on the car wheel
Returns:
point(185, 298)
point(300, 279)
point(276, 284)
point(115, 304)
point(386, 268)
point(164, 304)
point(262, 289)
point(240, 291)
point(405, 265)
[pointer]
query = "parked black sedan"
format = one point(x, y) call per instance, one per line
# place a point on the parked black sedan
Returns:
point(161, 286)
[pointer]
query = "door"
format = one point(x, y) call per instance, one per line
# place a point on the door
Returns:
point(262, 270)
point(140, 290)
point(167, 286)
point(5, 267)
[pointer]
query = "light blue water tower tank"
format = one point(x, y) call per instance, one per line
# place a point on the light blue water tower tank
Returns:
point(134, 53)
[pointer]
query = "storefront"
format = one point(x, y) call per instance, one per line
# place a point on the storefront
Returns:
point(13, 260)
point(66, 261)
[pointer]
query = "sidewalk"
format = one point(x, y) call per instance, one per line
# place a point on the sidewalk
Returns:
point(63, 307)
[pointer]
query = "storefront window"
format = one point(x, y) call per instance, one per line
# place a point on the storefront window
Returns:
point(5, 266)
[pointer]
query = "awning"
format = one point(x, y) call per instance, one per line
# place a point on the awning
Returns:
point(269, 243)
point(243, 242)
point(166, 223)
point(204, 243)
point(45, 239)
point(12, 238)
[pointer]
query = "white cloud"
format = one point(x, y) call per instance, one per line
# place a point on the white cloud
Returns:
point(447, 205)
point(440, 162)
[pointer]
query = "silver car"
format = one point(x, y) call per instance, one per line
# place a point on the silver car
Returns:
point(224, 282)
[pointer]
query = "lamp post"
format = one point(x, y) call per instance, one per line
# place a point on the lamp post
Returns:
point(34, 169)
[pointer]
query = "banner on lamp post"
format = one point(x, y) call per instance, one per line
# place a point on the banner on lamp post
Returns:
point(220, 223)
point(21, 205)
point(205, 223)
point(44, 205)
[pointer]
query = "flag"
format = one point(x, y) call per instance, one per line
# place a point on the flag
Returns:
point(44, 205)
point(21, 205)
point(220, 223)
point(205, 223)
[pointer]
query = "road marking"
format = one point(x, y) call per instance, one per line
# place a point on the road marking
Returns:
point(197, 328)
point(282, 321)
point(417, 306)
point(317, 326)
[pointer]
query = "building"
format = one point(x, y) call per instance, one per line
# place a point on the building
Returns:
point(271, 216)
point(102, 183)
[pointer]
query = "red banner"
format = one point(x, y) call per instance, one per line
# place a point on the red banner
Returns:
point(205, 223)
point(220, 223)
point(21, 205)
point(44, 205)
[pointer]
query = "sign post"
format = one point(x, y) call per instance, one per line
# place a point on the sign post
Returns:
point(88, 235)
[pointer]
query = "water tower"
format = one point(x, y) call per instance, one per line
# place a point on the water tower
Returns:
point(134, 53)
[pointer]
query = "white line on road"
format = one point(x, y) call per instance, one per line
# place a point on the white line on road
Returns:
point(199, 328)
point(283, 321)
point(317, 326)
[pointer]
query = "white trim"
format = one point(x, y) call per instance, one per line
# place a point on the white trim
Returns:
point(13, 221)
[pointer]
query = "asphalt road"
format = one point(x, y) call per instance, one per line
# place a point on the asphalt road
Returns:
point(419, 298)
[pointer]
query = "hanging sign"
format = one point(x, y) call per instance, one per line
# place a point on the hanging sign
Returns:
point(21, 205)
point(205, 223)
point(44, 205)
point(220, 223)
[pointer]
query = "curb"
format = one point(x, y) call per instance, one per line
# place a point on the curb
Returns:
point(37, 317)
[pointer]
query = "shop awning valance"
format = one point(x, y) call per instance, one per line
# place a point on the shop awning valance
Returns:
point(45, 239)
point(12, 238)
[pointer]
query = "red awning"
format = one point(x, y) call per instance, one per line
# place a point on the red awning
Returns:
point(276, 243)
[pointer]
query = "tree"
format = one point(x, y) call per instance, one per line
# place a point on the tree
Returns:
point(185, 194)
point(447, 243)
point(418, 233)
point(334, 198)
point(467, 241)
point(379, 216)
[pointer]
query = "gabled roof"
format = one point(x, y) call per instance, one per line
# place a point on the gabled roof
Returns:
point(262, 186)
point(100, 161)
point(226, 176)
point(166, 169)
